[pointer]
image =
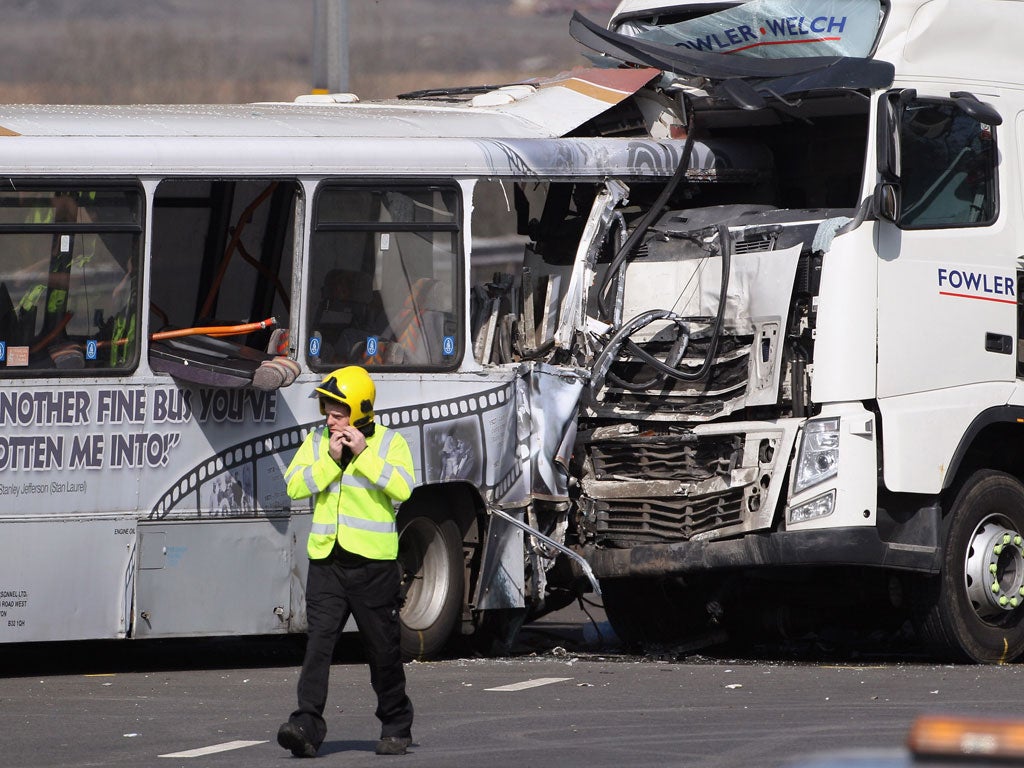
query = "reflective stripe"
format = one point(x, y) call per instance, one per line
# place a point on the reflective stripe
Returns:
point(316, 448)
point(307, 477)
point(385, 445)
point(358, 481)
point(334, 487)
point(366, 525)
point(390, 469)
point(323, 529)
point(405, 476)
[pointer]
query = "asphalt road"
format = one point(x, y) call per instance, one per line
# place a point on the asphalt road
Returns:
point(564, 699)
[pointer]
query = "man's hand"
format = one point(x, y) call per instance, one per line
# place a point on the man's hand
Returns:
point(337, 444)
point(348, 437)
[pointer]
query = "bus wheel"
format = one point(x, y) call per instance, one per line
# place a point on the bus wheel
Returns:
point(430, 554)
point(973, 609)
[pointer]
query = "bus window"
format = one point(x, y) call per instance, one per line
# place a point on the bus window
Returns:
point(383, 277)
point(222, 256)
point(69, 277)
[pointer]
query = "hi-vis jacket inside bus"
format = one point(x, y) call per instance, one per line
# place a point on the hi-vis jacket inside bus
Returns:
point(723, 329)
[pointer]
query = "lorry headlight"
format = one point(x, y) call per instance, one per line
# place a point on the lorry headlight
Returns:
point(822, 506)
point(819, 453)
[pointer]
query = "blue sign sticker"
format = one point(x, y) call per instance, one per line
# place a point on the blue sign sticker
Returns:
point(371, 346)
point(448, 346)
point(314, 347)
point(91, 348)
point(3, 351)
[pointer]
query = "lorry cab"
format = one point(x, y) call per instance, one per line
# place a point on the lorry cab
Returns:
point(844, 353)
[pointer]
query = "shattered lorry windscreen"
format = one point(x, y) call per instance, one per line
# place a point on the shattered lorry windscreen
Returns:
point(773, 29)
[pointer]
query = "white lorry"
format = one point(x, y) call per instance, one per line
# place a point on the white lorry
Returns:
point(809, 400)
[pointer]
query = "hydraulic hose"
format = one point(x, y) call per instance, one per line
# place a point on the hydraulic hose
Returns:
point(611, 349)
point(648, 218)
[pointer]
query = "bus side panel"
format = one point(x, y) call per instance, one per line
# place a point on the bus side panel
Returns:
point(219, 577)
point(66, 579)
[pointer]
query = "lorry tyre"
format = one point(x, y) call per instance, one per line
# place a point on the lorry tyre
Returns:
point(974, 609)
point(430, 554)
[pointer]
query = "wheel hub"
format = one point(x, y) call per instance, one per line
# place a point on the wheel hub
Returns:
point(995, 569)
point(421, 552)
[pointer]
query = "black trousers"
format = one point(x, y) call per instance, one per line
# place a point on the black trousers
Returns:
point(372, 594)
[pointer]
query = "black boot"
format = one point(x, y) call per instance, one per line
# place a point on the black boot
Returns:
point(291, 736)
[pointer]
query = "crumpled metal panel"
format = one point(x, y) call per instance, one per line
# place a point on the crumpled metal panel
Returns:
point(546, 400)
point(551, 397)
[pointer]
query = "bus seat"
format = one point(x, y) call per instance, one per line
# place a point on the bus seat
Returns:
point(348, 313)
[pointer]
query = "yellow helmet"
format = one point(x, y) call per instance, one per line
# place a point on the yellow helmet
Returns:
point(351, 386)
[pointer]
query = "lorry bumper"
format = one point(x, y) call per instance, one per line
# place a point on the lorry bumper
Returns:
point(834, 546)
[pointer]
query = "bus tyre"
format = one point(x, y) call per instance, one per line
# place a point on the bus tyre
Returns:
point(973, 608)
point(430, 553)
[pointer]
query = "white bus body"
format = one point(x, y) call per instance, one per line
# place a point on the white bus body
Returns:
point(141, 489)
point(737, 322)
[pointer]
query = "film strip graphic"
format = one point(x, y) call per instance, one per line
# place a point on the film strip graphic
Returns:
point(236, 471)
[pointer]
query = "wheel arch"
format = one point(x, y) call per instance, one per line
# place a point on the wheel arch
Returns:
point(994, 440)
point(460, 502)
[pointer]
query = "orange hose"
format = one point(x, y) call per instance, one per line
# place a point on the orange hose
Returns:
point(215, 330)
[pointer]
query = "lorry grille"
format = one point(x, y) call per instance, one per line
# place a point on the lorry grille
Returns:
point(665, 457)
point(625, 503)
point(657, 520)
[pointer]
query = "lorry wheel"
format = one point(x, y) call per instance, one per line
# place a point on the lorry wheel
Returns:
point(430, 553)
point(974, 609)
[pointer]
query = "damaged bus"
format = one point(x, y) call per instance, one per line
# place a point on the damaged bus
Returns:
point(175, 280)
point(722, 328)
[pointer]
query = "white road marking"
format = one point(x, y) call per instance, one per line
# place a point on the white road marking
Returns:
point(529, 684)
point(214, 748)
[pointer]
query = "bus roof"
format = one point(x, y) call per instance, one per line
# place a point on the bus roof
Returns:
point(296, 139)
point(543, 108)
point(516, 131)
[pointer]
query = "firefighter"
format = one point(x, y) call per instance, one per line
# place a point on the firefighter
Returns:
point(354, 469)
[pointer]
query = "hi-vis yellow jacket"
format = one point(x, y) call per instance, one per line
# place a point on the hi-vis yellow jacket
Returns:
point(353, 507)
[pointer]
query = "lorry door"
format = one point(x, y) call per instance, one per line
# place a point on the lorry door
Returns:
point(947, 261)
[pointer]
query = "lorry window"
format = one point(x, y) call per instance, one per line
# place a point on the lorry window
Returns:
point(383, 277)
point(947, 167)
point(69, 278)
